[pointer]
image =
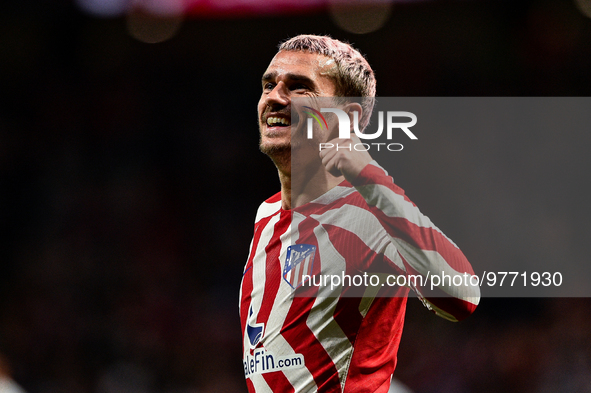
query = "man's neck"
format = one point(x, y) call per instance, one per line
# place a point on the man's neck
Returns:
point(298, 190)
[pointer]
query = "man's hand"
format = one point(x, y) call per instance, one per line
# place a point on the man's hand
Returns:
point(346, 161)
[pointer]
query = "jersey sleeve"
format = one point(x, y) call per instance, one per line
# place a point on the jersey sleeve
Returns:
point(425, 251)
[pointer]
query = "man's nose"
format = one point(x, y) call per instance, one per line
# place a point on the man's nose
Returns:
point(279, 96)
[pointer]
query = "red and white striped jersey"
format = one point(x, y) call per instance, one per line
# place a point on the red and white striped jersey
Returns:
point(323, 339)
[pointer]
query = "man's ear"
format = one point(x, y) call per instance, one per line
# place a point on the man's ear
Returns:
point(350, 108)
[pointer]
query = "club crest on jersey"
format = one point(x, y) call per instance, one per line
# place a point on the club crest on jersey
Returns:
point(298, 263)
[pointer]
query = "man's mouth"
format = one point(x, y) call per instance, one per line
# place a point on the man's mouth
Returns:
point(273, 121)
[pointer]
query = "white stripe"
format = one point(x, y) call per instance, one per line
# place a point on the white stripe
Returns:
point(300, 378)
point(359, 221)
point(333, 194)
point(321, 319)
point(367, 227)
point(267, 209)
point(258, 274)
point(427, 261)
point(272, 340)
point(365, 304)
point(391, 252)
point(283, 293)
point(260, 385)
point(395, 206)
point(370, 294)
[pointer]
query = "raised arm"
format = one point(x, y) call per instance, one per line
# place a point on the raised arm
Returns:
point(423, 248)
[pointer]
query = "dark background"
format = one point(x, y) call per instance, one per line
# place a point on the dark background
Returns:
point(130, 177)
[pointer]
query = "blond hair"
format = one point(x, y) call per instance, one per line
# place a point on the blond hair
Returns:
point(353, 76)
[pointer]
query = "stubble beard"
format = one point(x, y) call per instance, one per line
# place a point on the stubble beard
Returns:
point(280, 153)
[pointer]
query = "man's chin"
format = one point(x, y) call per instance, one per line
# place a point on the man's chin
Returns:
point(275, 149)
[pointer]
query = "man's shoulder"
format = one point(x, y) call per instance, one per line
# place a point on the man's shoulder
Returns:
point(269, 207)
point(275, 198)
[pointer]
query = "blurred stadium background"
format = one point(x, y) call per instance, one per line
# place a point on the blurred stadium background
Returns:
point(130, 176)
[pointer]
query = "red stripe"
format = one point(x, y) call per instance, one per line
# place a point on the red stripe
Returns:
point(274, 198)
point(425, 239)
point(250, 386)
point(278, 382)
point(372, 175)
point(273, 268)
point(393, 265)
point(296, 331)
point(247, 284)
point(348, 317)
point(358, 255)
point(378, 341)
point(299, 336)
point(318, 208)
point(459, 308)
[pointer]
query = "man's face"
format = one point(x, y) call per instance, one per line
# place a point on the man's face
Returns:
point(290, 74)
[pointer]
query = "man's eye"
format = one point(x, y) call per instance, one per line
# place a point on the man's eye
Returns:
point(299, 86)
point(268, 86)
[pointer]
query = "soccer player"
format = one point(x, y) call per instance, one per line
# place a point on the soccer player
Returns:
point(336, 210)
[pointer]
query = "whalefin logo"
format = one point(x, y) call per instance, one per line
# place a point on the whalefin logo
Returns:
point(254, 331)
point(299, 262)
